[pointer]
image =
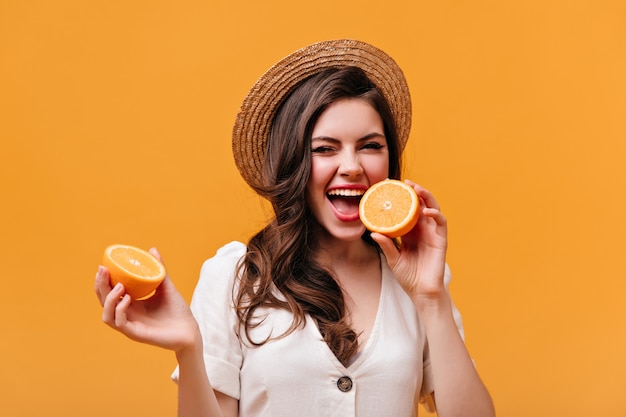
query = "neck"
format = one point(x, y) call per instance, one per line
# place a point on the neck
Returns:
point(337, 253)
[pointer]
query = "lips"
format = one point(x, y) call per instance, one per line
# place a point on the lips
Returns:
point(345, 201)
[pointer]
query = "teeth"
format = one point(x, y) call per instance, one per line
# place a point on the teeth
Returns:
point(346, 193)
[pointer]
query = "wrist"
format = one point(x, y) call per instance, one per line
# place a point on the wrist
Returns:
point(433, 306)
point(438, 320)
point(190, 348)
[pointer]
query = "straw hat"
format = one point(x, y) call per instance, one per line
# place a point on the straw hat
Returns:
point(254, 120)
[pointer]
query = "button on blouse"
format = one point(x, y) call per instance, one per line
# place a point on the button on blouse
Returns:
point(344, 384)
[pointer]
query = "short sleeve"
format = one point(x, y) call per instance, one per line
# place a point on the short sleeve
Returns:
point(427, 391)
point(212, 306)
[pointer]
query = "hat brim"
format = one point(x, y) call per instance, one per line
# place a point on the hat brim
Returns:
point(254, 119)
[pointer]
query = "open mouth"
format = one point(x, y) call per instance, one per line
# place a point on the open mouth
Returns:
point(345, 201)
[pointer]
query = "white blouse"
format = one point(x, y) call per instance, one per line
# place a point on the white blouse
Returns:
point(298, 375)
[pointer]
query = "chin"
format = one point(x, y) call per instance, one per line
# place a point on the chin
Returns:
point(347, 235)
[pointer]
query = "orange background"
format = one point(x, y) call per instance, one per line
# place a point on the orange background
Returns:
point(115, 121)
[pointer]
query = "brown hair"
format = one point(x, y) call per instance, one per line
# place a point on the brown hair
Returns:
point(280, 269)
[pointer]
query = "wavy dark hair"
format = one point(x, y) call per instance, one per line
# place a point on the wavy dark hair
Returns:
point(280, 269)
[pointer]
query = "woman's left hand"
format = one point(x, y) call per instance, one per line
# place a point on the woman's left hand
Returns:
point(419, 264)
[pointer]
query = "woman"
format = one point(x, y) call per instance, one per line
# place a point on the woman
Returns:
point(315, 316)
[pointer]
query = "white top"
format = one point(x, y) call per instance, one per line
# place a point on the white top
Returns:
point(298, 375)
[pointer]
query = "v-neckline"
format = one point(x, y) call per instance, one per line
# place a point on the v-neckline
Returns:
point(370, 343)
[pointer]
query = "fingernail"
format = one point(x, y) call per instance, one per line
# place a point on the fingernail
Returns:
point(100, 269)
point(117, 287)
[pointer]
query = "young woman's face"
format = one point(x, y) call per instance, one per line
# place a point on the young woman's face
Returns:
point(349, 153)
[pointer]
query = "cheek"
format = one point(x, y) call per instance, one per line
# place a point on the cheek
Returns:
point(378, 169)
point(315, 179)
point(320, 171)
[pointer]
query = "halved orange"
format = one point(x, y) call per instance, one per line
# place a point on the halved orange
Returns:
point(390, 207)
point(138, 270)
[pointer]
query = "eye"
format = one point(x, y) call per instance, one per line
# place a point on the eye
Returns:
point(322, 149)
point(372, 145)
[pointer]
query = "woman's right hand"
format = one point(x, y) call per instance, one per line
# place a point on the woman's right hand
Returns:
point(163, 320)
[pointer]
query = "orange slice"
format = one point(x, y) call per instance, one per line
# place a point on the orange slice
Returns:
point(390, 207)
point(138, 270)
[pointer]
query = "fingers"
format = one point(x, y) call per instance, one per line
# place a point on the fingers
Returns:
point(102, 284)
point(113, 300)
point(431, 219)
point(167, 283)
point(436, 215)
point(120, 311)
point(111, 303)
point(426, 197)
point(388, 247)
point(115, 312)
point(156, 254)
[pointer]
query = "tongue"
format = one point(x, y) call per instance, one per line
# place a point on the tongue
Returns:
point(346, 205)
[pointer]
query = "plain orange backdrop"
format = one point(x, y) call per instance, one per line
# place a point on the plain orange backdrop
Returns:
point(115, 120)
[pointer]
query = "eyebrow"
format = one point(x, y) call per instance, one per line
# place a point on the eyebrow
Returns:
point(363, 139)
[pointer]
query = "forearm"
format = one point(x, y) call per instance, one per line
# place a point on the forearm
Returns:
point(458, 388)
point(196, 397)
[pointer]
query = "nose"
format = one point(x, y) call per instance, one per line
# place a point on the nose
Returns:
point(350, 165)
